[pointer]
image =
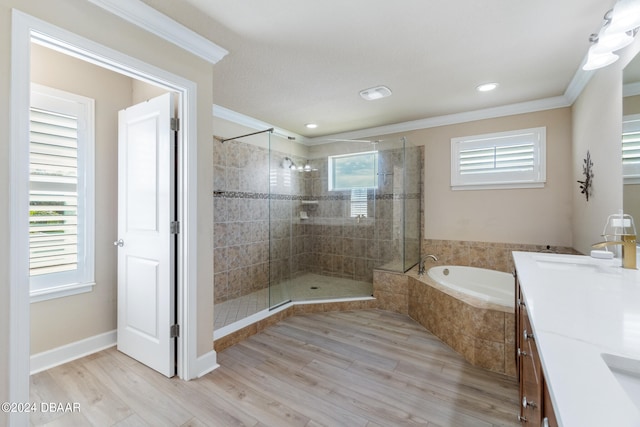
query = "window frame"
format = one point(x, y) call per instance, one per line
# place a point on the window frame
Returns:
point(534, 178)
point(331, 170)
point(60, 284)
point(630, 172)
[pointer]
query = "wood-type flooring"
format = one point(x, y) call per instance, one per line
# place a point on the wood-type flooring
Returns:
point(356, 368)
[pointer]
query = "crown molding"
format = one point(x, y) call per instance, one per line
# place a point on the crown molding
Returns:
point(450, 119)
point(148, 18)
point(221, 112)
point(578, 82)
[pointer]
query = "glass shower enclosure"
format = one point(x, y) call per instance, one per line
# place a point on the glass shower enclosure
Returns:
point(309, 223)
point(338, 213)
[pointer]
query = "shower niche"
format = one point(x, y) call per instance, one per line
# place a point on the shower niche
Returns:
point(301, 223)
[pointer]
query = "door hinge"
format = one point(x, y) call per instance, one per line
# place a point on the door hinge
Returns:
point(175, 124)
point(174, 331)
point(175, 227)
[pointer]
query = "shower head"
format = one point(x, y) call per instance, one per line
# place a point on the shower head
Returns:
point(287, 163)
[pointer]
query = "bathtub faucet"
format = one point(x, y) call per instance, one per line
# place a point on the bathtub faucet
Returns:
point(421, 268)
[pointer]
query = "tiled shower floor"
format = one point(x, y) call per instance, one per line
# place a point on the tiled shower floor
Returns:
point(305, 287)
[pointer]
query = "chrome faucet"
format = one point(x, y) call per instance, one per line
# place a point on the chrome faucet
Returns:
point(421, 268)
point(628, 243)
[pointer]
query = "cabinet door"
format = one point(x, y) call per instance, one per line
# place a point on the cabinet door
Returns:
point(531, 380)
point(518, 331)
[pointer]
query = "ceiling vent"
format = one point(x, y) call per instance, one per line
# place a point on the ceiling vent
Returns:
point(375, 93)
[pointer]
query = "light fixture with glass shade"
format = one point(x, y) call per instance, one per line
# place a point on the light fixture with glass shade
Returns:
point(597, 60)
point(618, 30)
point(625, 16)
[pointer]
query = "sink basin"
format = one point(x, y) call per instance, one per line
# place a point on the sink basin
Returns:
point(627, 373)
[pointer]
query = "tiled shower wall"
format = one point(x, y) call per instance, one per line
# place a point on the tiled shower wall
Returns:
point(241, 219)
point(243, 210)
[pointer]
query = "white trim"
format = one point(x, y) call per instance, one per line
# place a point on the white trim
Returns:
point(149, 19)
point(72, 351)
point(60, 291)
point(498, 186)
point(251, 123)
point(206, 363)
point(26, 29)
point(19, 304)
point(578, 82)
point(249, 320)
point(261, 315)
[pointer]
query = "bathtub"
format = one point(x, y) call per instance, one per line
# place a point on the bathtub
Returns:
point(490, 286)
point(471, 310)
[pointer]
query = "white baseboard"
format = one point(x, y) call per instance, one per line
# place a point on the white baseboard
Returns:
point(75, 350)
point(205, 364)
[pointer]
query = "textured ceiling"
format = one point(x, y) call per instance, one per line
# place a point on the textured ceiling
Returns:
point(293, 62)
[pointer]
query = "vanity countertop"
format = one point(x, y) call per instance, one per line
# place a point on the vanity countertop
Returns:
point(581, 308)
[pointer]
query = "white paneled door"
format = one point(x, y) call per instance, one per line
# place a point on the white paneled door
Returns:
point(146, 245)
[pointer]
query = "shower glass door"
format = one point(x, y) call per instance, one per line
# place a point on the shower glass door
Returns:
point(282, 193)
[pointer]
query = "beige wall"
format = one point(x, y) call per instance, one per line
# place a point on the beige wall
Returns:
point(631, 105)
point(527, 216)
point(597, 127)
point(85, 315)
point(87, 20)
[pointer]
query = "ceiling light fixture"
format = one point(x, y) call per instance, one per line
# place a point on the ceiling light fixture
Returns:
point(374, 93)
point(311, 125)
point(486, 87)
point(618, 30)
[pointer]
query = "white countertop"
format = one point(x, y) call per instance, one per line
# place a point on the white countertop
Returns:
point(580, 308)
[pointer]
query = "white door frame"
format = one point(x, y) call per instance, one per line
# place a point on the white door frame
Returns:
point(26, 28)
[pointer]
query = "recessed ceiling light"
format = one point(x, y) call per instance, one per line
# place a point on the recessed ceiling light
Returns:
point(486, 87)
point(311, 125)
point(375, 93)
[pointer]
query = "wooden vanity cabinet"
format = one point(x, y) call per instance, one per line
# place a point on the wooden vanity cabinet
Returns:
point(535, 403)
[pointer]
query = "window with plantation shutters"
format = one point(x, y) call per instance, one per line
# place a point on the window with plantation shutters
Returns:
point(358, 202)
point(631, 149)
point(60, 193)
point(514, 159)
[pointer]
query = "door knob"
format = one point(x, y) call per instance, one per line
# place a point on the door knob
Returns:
point(119, 242)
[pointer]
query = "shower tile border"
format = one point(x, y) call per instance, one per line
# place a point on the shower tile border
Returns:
point(295, 197)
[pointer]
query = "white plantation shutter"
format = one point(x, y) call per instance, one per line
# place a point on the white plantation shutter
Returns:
point(510, 158)
point(61, 186)
point(631, 148)
point(53, 194)
point(514, 159)
point(358, 202)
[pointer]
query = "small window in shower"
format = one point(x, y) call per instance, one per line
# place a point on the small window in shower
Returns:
point(353, 171)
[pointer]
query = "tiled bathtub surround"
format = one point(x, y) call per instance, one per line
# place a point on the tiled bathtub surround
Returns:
point(489, 255)
point(483, 333)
